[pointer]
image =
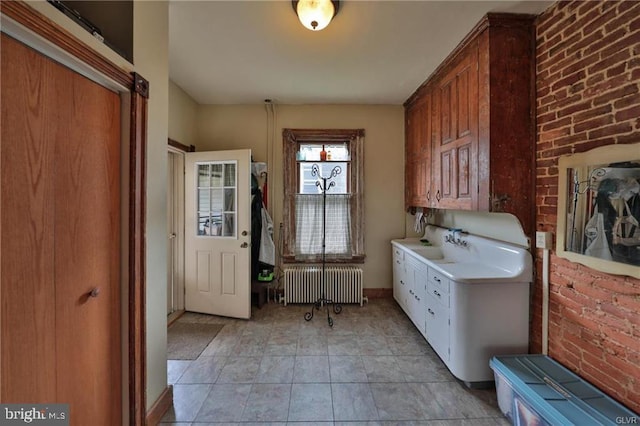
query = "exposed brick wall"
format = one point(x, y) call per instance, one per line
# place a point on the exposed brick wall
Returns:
point(588, 95)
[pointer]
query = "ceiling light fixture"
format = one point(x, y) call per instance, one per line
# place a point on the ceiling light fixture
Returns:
point(315, 14)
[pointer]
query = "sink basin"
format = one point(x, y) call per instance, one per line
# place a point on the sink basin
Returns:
point(431, 253)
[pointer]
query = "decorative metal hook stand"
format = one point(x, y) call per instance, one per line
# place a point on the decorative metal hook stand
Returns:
point(324, 183)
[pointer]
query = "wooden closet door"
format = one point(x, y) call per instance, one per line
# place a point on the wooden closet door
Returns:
point(87, 249)
point(81, 227)
point(28, 340)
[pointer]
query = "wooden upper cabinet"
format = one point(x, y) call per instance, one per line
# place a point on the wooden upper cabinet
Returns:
point(456, 134)
point(418, 152)
point(481, 134)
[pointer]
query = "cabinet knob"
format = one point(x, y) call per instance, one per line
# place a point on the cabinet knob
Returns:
point(438, 196)
point(428, 195)
point(401, 282)
point(95, 292)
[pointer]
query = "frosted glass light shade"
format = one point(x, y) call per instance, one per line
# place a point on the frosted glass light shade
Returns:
point(315, 14)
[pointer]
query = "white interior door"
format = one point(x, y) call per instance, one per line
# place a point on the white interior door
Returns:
point(217, 233)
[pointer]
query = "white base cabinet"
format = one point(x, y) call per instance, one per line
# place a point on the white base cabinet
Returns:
point(465, 323)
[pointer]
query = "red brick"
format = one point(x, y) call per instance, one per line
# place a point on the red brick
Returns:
point(599, 22)
point(592, 113)
point(630, 138)
point(568, 80)
point(629, 113)
point(614, 95)
point(560, 50)
point(631, 302)
point(589, 144)
point(570, 140)
point(625, 13)
point(586, 7)
point(610, 60)
point(614, 129)
point(557, 124)
point(620, 46)
point(617, 70)
point(627, 101)
point(593, 43)
point(594, 123)
point(547, 21)
point(634, 25)
point(594, 79)
point(568, 110)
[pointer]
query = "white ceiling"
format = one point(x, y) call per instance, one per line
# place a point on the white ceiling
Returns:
point(373, 52)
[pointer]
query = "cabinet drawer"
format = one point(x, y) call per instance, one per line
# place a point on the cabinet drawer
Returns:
point(398, 255)
point(439, 280)
point(436, 293)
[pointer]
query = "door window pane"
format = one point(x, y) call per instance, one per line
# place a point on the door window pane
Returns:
point(216, 199)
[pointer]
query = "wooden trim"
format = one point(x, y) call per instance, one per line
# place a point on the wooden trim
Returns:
point(180, 146)
point(174, 316)
point(160, 407)
point(28, 17)
point(291, 138)
point(377, 293)
point(32, 20)
point(137, 260)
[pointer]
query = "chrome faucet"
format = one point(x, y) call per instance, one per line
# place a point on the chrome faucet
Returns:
point(455, 240)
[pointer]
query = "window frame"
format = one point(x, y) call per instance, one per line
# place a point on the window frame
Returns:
point(292, 138)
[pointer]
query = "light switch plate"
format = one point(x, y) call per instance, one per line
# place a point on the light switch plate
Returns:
point(544, 240)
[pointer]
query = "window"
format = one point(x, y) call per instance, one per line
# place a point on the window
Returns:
point(303, 209)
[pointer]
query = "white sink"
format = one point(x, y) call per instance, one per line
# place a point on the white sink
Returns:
point(478, 259)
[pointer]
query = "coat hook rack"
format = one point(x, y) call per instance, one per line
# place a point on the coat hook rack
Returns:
point(324, 183)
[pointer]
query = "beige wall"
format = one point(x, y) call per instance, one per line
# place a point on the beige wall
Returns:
point(182, 116)
point(151, 57)
point(245, 126)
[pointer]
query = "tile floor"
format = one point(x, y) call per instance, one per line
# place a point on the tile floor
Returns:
point(372, 368)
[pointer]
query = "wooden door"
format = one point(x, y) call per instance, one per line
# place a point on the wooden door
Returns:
point(217, 233)
point(456, 146)
point(60, 276)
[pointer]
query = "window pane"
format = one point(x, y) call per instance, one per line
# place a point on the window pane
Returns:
point(214, 199)
point(203, 175)
point(216, 175)
point(229, 199)
point(230, 175)
point(307, 184)
point(204, 200)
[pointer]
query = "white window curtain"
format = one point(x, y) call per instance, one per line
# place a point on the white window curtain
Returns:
point(309, 226)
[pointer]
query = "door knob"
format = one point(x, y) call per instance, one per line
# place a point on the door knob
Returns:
point(94, 292)
point(245, 233)
point(244, 245)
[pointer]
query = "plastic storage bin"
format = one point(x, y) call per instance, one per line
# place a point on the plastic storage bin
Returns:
point(536, 390)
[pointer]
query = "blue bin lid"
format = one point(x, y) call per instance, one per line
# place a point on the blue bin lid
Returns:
point(560, 396)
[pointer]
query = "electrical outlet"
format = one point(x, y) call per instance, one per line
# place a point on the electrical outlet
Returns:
point(544, 240)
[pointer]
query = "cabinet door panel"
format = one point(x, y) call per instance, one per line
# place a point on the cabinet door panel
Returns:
point(464, 101)
point(447, 112)
point(463, 172)
point(446, 173)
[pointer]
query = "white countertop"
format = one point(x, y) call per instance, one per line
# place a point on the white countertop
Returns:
point(482, 261)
